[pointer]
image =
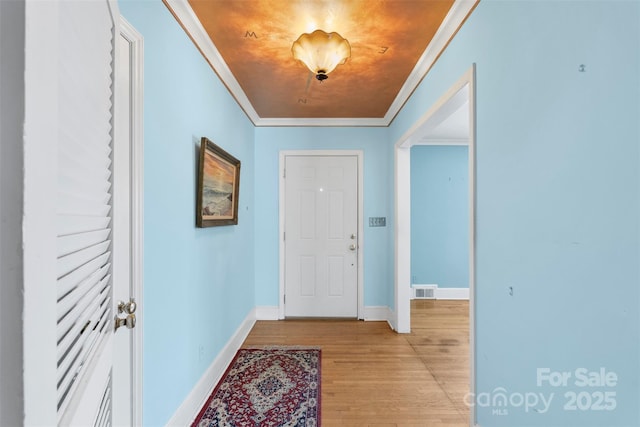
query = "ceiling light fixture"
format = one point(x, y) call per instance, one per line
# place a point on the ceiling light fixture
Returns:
point(321, 52)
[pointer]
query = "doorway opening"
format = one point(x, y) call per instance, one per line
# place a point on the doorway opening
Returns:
point(453, 109)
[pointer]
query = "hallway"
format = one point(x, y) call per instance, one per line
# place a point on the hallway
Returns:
point(372, 376)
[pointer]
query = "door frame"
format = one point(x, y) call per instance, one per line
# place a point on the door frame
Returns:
point(136, 153)
point(281, 219)
point(441, 109)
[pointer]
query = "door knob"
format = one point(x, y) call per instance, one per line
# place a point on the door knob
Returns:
point(127, 307)
point(129, 321)
point(352, 246)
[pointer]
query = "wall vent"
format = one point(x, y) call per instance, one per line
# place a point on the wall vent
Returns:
point(424, 291)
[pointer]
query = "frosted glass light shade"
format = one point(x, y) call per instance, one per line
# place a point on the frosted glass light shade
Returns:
point(321, 52)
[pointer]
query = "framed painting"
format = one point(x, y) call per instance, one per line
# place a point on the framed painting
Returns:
point(218, 186)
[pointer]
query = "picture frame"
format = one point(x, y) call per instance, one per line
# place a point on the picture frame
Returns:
point(218, 186)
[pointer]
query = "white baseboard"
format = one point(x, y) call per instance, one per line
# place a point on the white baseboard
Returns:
point(376, 313)
point(379, 313)
point(371, 313)
point(393, 320)
point(268, 313)
point(194, 402)
point(452, 293)
point(445, 293)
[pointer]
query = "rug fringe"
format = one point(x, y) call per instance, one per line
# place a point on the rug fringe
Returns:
point(281, 347)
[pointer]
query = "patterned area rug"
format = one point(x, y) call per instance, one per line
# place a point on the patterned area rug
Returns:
point(274, 387)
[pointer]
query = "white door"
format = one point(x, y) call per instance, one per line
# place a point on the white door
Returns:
point(321, 236)
point(84, 219)
point(85, 212)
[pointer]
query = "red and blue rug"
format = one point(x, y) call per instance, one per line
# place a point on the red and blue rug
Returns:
point(269, 387)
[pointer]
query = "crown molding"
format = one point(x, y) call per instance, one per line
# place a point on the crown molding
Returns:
point(333, 122)
point(187, 18)
point(448, 29)
point(442, 141)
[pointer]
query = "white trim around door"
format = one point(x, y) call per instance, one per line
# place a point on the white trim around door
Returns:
point(136, 206)
point(281, 170)
point(453, 99)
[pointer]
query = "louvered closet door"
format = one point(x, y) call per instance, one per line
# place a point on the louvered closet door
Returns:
point(84, 213)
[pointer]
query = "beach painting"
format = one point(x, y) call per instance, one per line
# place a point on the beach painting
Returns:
point(218, 184)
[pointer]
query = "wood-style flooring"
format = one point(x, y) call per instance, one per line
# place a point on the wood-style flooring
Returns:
point(373, 377)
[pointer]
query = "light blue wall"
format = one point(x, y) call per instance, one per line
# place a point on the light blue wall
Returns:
point(378, 187)
point(198, 282)
point(440, 215)
point(557, 203)
point(557, 199)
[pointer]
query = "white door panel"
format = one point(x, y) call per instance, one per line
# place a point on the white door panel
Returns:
point(321, 244)
point(84, 210)
point(77, 216)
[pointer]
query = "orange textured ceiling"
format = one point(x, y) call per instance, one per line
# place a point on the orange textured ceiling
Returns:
point(387, 38)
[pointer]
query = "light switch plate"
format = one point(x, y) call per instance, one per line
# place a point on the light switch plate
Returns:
point(377, 221)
